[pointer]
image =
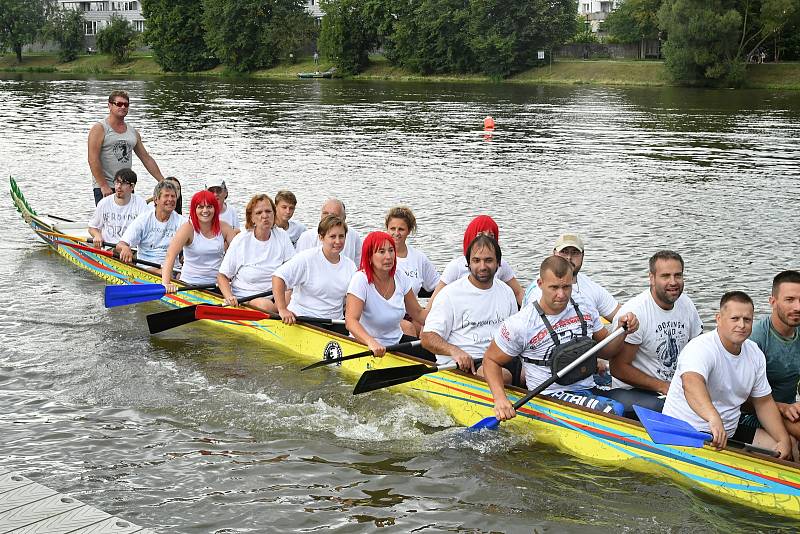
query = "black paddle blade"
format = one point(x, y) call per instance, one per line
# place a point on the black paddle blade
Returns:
point(383, 378)
point(158, 322)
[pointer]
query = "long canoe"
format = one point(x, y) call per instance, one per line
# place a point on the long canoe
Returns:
point(749, 479)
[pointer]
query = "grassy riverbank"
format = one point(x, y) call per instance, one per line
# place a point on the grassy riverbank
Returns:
point(599, 72)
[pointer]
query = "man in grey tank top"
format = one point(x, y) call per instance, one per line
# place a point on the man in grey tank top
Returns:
point(112, 144)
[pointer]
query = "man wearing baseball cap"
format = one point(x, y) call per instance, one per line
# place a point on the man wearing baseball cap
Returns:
point(227, 213)
point(584, 289)
point(114, 213)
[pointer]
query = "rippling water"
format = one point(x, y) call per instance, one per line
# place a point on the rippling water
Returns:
point(193, 432)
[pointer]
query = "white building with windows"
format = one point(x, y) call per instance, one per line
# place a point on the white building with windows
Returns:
point(97, 14)
point(594, 12)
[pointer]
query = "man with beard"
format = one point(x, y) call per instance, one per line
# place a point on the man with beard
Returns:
point(644, 367)
point(778, 336)
point(467, 312)
point(718, 372)
point(535, 332)
point(584, 289)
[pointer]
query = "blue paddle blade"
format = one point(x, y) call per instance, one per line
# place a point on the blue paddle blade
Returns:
point(131, 294)
point(668, 430)
point(491, 422)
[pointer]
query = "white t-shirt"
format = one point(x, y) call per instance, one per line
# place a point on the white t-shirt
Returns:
point(730, 380)
point(524, 333)
point(230, 216)
point(151, 237)
point(381, 317)
point(295, 230)
point(661, 335)
point(352, 243)
point(318, 286)
point(583, 290)
point(468, 317)
point(419, 269)
point(250, 263)
point(457, 268)
point(112, 219)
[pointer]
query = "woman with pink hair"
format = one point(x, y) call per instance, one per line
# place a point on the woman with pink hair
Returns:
point(457, 268)
point(203, 240)
point(379, 296)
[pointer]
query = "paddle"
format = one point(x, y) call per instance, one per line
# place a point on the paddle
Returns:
point(391, 348)
point(109, 253)
point(391, 376)
point(242, 314)
point(120, 295)
point(667, 430)
point(158, 322)
point(493, 422)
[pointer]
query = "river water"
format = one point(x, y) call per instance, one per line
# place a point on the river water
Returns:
point(192, 431)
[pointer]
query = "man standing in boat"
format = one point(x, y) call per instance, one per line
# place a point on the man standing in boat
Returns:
point(468, 312)
point(352, 243)
point(152, 231)
point(644, 367)
point(115, 213)
point(778, 337)
point(584, 289)
point(112, 144)
point(535, 334)
point(721, 370)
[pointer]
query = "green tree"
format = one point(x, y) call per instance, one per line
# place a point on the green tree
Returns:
point(763, 20)
point(175, 32)
point(703, 40)
point(117, 38)
point(348, 33)
point(21, 23)
point(634, 20)
point(505, 35)
point(252, 34)
point(66, 27)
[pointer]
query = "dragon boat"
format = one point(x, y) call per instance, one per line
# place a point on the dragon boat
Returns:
point(750, 479)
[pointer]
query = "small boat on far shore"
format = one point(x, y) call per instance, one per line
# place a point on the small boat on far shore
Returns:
point(317, 74)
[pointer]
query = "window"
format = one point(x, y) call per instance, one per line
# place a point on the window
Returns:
point(138, 25)
point(91, 27)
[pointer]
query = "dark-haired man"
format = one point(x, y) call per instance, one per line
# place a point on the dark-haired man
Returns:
point(778, 336)
point(112, 144)
point(467, 312)
point(115, 213)
point(532, 332)
point(717, 372)
point(668, 319)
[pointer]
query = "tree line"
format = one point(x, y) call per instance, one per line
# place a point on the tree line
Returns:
point(705, 41)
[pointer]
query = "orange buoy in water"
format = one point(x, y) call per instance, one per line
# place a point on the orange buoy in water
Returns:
point(488, 123)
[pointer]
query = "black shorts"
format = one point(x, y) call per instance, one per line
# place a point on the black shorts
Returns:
point(745, 433)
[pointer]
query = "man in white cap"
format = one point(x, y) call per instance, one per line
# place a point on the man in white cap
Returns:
point(227, 213)
point(584, 289)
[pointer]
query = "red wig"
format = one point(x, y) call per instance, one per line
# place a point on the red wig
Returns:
point(373, 242)
point(204, 197)
point(481, 223)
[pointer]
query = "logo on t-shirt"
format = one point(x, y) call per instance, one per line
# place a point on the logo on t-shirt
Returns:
point(673, 336)
point(122, 152)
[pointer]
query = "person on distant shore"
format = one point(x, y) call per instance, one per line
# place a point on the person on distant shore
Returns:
point(152, 231)
point(227, 213)
point(352, 245)
point(115, 213)
point(457, 268)
point(318, 277)
point(717, 372)
point(642, 370)
point(254, 255)
point(541, 334)
point(112, 144)
point(378, 298)
point(285, 204)
point(467, 313)
point(778, 337)
point(202, 239)
point(400, 222)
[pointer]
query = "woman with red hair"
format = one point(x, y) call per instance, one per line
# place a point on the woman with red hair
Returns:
point(457, 268)
point(203, 240)
point(379, 296)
